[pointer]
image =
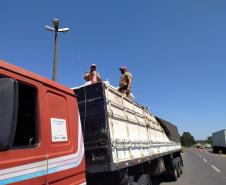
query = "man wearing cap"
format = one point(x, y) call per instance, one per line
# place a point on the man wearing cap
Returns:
point(125, 81)
point(92, 76)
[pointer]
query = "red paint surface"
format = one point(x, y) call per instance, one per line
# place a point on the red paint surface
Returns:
point(57, 101)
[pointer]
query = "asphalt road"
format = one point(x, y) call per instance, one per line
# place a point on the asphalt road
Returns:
point(200, 168)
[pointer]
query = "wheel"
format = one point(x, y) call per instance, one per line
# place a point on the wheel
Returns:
point(174, 171)
point(124, 180)
point(174, 175)
point(133, 183)
point(181, 167)
point(144, 180)
point(171, 173)
point(215, 149)
point(177, 165)
point(119, 178)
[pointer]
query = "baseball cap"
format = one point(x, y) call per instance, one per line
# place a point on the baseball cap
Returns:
point(123, 67)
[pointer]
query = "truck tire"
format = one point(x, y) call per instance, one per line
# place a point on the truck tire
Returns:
point(124, 180)
point(133, 183)
point(181, 167)
point(119, 178)
point(174, 171)
point(143, 180)
point(177, 165)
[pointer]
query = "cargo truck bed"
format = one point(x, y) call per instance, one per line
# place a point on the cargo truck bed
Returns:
point(119, 132)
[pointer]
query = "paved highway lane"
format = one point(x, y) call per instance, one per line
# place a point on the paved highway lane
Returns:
point(218, 162)
point(200, 169)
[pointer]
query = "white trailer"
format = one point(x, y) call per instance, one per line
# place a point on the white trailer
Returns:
point(123, 140)
point(219, 141)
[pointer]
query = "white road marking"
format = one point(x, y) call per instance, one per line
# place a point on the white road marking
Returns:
point(196, 154)
point(204, 160)
point(215, 168)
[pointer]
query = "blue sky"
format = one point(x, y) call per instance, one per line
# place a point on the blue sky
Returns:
point(176, 51)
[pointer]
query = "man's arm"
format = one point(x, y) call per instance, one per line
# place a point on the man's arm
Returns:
point(86, 76)
point(129, 83)
point(98, 77)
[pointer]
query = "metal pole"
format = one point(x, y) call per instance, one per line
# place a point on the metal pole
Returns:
point(55, 62)
point(56, 29)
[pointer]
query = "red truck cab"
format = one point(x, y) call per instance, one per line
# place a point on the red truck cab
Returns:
point(41, 140)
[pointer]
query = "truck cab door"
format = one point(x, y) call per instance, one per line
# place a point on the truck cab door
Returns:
point(23, 156)
point(64, 139)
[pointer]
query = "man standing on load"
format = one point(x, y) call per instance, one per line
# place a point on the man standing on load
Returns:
point(125, 82)
point(92, 76)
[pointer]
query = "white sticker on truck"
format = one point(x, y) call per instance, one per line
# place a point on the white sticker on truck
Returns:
point(58, 130)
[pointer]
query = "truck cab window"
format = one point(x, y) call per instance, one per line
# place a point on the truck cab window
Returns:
point(26, 130)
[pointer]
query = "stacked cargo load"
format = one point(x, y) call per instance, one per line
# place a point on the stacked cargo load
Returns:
point(118, 132)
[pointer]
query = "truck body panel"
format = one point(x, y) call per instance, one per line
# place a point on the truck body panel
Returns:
point(42, 153)
point(119, 132)
point(219, 138)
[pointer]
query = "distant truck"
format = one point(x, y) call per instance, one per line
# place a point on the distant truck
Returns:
point(207, 146)
point(219, 141)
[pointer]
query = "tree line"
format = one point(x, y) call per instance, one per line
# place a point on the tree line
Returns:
point(188, 140)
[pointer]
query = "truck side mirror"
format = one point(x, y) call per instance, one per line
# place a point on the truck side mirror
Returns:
point(8, 112)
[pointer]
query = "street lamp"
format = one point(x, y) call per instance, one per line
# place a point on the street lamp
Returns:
point(56, 29)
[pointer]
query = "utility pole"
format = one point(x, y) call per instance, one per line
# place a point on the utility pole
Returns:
point(56, 30)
